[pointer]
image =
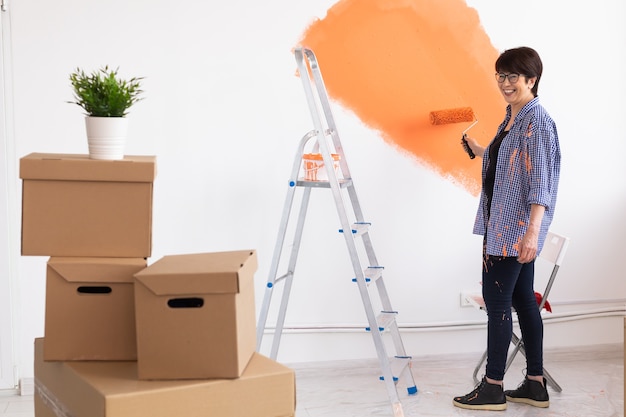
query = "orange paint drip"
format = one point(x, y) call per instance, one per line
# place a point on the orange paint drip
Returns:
point(512, 163)
point(529, 164)
point(392, 62)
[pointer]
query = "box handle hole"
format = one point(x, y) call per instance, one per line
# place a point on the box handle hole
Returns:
point(191, 302)
point(94, 290)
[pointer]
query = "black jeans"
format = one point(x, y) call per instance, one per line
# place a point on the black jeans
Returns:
point(507, 283)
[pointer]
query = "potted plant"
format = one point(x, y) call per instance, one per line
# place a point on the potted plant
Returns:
point(106, 99)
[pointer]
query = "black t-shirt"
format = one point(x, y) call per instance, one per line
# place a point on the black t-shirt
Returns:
point(490, 175)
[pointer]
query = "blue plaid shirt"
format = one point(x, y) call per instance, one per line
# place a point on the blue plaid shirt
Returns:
point(527, 172)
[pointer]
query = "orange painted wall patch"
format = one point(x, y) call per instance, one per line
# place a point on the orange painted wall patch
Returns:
point(392, 62)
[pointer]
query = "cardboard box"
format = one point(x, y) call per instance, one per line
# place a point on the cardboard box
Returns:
point(90, 308)
point(76, 206)
point(195, 315)
point(111, 389)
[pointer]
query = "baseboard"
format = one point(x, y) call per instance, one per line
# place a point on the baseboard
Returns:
point(346, 344)
point(27, 386)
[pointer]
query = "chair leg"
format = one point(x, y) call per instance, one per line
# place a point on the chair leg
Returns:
point(519, 347)
point(549, 379)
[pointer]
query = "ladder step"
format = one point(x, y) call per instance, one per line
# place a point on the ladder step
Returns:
point(384, 320)
point(372, 273)
point(359, 228)
point(343, 183)
point(399, 365)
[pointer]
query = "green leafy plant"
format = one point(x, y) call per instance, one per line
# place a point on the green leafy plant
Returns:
point(103, 94)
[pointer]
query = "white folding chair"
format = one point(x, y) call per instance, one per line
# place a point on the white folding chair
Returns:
point(553, 252)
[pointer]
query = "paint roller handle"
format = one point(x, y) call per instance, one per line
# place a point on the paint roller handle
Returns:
point(467, 147)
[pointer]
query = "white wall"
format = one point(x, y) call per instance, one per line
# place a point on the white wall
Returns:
point(224, 112)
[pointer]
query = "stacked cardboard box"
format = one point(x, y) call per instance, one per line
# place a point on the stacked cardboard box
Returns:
point(123, 338)
point(94, 219)
point(195, 315)
point(112, 389)
point(89, 309)
point(76, 206)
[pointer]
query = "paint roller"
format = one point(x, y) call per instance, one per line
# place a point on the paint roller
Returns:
point(458, 115)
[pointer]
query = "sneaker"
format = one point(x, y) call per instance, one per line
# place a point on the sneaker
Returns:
point(530, 392)
point(485, 396)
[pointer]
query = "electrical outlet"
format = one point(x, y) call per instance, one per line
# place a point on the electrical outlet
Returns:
point(465, 298)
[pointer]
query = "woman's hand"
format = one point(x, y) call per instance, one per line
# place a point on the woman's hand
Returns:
point(527, 248)
point(474, 146)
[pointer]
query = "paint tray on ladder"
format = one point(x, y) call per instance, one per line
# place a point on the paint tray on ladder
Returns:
point(313, 166)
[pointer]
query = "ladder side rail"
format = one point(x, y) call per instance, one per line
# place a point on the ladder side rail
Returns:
point(355, 203)
point(300, 54)
point(337, 195)
point(318, 81)
point(271, 281)
point(397, 340)
point(305, 77)
point(376, 334)
point(344, 221)
point(384, 295)
point(280, 322)
point(371, 255)
point(280, 240)
point(324, 102)
point(349, 237)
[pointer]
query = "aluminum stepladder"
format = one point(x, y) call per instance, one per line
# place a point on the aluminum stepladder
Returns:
point(363, 258)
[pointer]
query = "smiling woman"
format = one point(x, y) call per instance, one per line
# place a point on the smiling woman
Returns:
point(520, 172)
point(394, 61)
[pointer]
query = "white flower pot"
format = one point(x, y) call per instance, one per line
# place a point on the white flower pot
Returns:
point(106, 137)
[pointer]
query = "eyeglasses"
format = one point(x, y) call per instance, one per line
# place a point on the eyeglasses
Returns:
point(513, 77)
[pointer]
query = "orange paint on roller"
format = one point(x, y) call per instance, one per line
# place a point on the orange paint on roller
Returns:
point(462, 114)
point(444, 117)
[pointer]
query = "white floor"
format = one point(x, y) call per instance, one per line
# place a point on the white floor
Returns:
point(592, 379)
